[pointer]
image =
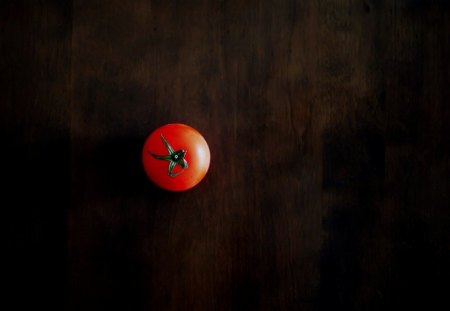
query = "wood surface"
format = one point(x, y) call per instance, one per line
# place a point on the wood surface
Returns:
point(328, 124)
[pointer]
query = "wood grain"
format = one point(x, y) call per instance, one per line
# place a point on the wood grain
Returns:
point(327, 124)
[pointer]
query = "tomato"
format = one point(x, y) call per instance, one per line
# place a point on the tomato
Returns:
point(176, 157)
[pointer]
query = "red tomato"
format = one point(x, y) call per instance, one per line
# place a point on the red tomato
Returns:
point(176, 157)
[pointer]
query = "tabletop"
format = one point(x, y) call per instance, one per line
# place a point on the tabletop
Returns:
point(328, 127)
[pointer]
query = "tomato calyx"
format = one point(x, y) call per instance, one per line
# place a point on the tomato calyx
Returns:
point(174, 158)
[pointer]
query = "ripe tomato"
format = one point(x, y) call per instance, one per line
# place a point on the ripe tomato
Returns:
point(176, 157)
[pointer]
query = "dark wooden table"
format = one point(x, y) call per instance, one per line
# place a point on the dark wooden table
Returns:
point(328, 123)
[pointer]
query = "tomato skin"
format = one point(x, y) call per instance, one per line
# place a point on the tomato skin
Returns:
point(180, 137)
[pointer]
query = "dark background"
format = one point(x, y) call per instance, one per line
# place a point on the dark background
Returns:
point(328, 123)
